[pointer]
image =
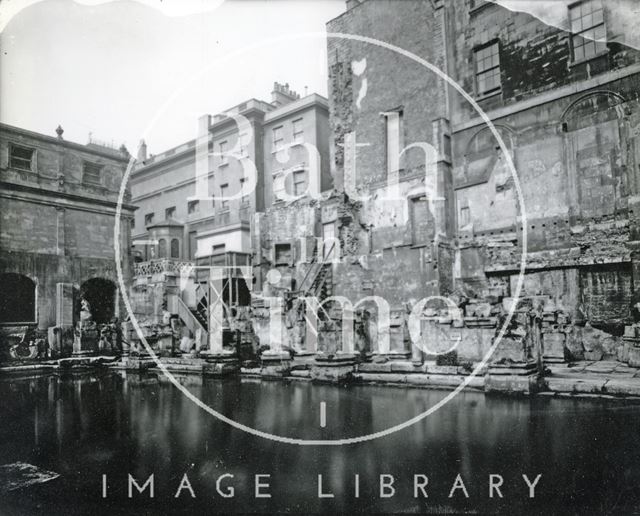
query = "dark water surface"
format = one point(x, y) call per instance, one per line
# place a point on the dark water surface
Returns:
point(84, 426)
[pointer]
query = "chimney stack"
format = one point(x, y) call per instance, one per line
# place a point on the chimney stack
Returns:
point(282, 94)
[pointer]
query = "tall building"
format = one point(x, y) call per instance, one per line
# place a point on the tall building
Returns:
point(564, 100)
point(197, 204)
point(57, 214)
point(164, 185)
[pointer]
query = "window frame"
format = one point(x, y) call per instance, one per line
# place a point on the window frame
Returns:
point(193, 207)
point(297, 131)
point(224, 204)
point(148, 218)
point(278, 146)
point(591, 28)
point(31, 160)
point(244, 200)
point(97, 168)
point(294, 183)
point(169, 213)
point(223, 149)
point(282, 245)
point(486, 71)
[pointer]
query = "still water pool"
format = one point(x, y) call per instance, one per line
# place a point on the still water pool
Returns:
point(111, 425)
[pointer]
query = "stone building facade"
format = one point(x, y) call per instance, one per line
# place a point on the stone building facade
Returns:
point(446, 219)
point(58, 209)
point(284, 144)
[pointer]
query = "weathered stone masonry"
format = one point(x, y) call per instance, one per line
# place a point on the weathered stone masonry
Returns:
point(58, 203)
point(570, 127)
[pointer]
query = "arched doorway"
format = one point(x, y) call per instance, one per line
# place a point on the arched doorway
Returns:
point(100, 294)
point(18, 299)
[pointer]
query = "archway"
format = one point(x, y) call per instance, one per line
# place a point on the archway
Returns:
point(18, 300)
point(100, 294)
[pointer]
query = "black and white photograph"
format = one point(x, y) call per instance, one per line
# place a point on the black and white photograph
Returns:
point(319, 257)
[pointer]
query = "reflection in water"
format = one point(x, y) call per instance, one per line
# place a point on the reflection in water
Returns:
point(84, 426)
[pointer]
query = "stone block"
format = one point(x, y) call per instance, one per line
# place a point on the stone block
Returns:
point(511, 384)
point(553, 346)
point(337, 369)
point(510, 350)
point(634, 356)
point(623, 387)
point(575, 385)
point(274, 364)
point(405, 367)
point(222, 364)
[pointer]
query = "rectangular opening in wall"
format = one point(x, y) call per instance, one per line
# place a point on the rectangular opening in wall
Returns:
point(218, 255)
point(421, 221)
point(587, 25)
point(299, 182)
point(222, 149)
point(283, 254)
point(21, 157)
point(170, 213)
point(224, 192)
point(393, 139)
point(18, 300)
point(148, 218)
point(91, 172)
point(487, 69)
point(298, 131)
point(464, 217)
point(329, 243)
point(278, 138)
point(193, 207)
point(244, 191)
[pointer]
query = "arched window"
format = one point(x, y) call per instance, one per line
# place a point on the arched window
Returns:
point(596, 153)
point(162, 248)
point(18, 299)
point(175, 248)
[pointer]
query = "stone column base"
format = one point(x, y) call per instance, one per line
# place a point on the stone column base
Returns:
point(135, 362)
point(337, 369)
point(514, 378)
point(86, 343)
point(220, 364)
point(275, 364)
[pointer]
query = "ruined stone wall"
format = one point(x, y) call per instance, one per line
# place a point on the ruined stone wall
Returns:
point(392, 82)
point(388, 245)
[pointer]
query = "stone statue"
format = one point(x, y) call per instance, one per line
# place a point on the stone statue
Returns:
point(85, 311)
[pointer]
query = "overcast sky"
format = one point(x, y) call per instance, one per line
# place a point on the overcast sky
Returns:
point(109, 68)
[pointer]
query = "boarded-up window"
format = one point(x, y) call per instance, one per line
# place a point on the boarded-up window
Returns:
point(91, 172)
point(421, 220)
point(393, 140)
point(597, 150)
point(21, 157)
